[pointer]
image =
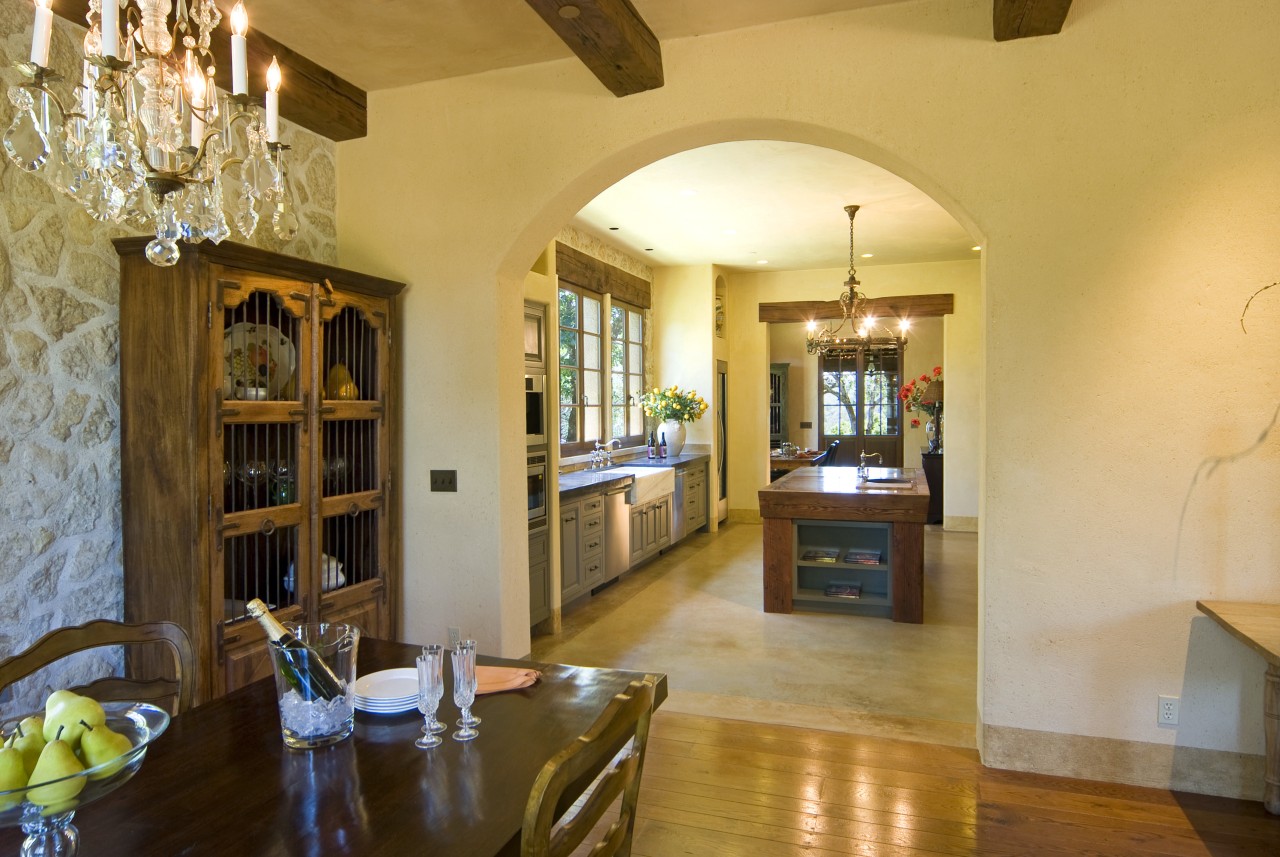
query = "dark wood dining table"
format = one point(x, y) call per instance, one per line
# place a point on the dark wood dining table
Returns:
point(220, 781)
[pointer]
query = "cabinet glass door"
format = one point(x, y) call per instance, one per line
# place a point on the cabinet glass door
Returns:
point(354, 449)
point(261, 482)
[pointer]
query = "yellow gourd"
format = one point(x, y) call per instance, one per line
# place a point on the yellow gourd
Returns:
point(340, 385)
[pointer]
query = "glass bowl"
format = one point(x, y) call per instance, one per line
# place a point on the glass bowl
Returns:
point(48, 828)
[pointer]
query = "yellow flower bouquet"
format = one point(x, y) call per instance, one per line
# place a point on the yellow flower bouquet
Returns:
point(683, 406)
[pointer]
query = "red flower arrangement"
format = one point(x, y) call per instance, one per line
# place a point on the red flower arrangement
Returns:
point(913, 392)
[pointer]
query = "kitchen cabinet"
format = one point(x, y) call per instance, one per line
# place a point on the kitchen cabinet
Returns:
point(539, 576)
point(694, 497)
point(581, 546)
point(650, 529)
point(535, 323)
point(258, 450)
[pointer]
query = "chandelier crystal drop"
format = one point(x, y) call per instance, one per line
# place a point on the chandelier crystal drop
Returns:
point(146, 139)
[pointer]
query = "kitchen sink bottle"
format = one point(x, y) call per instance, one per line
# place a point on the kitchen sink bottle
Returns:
point(299, 664)
point(662, 445)
point(652, 453)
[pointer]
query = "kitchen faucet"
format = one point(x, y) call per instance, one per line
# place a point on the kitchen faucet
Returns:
point(862, 462)
point(602, 455)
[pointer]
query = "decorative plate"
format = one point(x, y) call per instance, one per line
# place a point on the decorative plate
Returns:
point(256, 356)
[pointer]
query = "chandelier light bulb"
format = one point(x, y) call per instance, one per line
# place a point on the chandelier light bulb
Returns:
point(239, 51)
point(273, 102)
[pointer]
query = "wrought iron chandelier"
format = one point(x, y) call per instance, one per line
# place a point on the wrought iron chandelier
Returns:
point(853, 311)
point(147, 140)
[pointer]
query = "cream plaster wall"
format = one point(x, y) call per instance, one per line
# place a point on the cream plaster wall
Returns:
point(1123, 177)
point(961, 359)
point(683, 334)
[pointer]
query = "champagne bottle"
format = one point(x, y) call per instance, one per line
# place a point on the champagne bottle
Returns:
point(299, 664)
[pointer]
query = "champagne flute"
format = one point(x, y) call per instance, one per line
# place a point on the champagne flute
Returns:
point(464, 687)
point(468, 719)
point(430, 691)
point(433, 726)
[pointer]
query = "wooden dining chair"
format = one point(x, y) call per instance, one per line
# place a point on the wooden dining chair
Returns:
point(546, 833)
point(177, 689)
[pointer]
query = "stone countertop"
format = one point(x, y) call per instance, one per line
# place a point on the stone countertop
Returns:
point(579, 482)
point(669, 461)
point(576, 483)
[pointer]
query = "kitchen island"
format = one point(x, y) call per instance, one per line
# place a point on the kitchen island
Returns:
point(833, 540)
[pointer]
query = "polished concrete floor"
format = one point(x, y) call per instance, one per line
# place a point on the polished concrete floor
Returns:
point(695, 614)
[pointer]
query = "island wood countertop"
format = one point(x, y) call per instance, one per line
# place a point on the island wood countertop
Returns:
point(837, 493)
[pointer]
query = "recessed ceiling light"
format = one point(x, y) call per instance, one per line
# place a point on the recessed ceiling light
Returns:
point(762, 261)
point(976, 247)
point(648, 249)
point(613, 229)
point(868, 255)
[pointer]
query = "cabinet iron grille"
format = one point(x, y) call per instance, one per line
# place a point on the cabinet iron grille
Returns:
point(260, 565)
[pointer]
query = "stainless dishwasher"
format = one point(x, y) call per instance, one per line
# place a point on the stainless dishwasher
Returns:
point(617, 533)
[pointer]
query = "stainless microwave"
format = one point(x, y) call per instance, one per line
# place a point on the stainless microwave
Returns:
point(535, 410)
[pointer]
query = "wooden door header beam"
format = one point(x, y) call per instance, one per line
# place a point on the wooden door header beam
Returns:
point(313, 97)
point(610, 38)
point(897, 306)
point(1020, 19)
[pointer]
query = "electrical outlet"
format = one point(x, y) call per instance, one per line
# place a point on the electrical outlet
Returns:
point(444, 480)
point(1167, 712)
point(454, 637)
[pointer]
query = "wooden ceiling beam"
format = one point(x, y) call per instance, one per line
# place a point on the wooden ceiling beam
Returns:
point(1020, 19)
point(610, 38)
point(312, 96)
point(897, 306)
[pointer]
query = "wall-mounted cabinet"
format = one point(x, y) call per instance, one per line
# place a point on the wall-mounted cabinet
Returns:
point(535, 337)
point(257, 449)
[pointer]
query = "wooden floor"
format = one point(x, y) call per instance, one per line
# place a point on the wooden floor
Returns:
point(716, 788)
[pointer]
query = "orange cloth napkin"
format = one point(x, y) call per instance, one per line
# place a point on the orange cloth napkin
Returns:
point(498, 679)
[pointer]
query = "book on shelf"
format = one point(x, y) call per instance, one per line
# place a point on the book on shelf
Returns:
point(862, 556)
point(843, 590)
point(821, 555)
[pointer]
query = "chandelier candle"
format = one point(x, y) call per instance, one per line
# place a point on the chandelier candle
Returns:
point(273, 102)
point(40, 35)
point(110, 28)
point(239, 51)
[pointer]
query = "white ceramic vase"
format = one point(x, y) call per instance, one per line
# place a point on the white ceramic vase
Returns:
point(673, 431)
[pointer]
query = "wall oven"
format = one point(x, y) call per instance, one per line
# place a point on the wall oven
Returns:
point(537, 491)
point(535, 410)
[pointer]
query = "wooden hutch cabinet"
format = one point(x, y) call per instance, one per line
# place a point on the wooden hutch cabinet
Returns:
point(258, 449)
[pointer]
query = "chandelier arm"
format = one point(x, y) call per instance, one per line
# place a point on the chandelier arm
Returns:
point(37, 85)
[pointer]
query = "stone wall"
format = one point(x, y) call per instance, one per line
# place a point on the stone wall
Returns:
point(60, 557)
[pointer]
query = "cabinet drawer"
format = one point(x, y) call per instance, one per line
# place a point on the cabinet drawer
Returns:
point(591, 505)
point(538, 547)
point(592, 543)
point(592, 527)
point(593, 571)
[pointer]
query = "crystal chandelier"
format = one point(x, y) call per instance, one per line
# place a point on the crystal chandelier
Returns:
point(145, 138)
point(853, 311)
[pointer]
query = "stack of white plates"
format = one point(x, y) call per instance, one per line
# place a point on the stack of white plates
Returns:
point(388, 692)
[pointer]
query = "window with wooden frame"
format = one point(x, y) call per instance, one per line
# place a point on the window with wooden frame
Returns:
point(581, 382)
point(626, 378)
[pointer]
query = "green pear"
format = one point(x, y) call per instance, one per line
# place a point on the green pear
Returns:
point(13, 776)
point(28, 738)
point(70, 712)
point(100, 745)
point(56, 761)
